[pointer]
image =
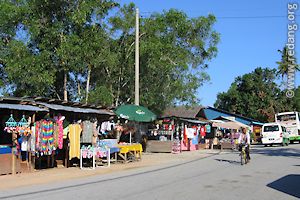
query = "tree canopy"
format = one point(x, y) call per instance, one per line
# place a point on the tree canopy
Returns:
point(84, 50)
point(256, 95)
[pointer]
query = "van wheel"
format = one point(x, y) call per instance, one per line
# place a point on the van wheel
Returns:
point(266, 145)
point(271, 145)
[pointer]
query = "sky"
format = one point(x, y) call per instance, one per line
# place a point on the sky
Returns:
point(251, 33)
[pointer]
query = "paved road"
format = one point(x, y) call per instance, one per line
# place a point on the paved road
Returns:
point(273, 173)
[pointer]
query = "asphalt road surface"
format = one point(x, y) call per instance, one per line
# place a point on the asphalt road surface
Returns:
point(273, 173)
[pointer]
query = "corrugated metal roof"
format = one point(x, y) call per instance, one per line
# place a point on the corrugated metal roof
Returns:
point(182, 111)
point(21, 107)
point(74, 109)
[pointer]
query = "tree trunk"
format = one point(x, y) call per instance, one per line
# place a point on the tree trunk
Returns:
point(78, 87)
point(118, 89)
point(65, 86)
point(88, 83)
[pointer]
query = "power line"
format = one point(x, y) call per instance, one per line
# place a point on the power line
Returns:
point(254, 17)
point(235, 17)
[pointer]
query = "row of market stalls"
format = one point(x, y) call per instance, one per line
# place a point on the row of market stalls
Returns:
point(191, 128)
point(39, 133)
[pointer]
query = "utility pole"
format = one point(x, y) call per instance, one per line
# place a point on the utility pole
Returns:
point(137, 70)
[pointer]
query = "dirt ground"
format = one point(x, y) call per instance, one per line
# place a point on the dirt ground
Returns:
point(57, 174)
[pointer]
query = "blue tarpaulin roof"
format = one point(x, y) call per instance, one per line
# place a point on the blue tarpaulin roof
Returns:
point(21, 107)
point(257, 123)
point(193, 121)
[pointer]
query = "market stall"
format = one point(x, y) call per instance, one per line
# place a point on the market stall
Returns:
point(227, 132)
point(134, 114)
point(48, 134)
point(176, 134)
point(161, 136)
point(15, 132)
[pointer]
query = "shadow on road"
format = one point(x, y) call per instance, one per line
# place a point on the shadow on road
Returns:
point(288, 184)
point(280, 151)
point(229, 161)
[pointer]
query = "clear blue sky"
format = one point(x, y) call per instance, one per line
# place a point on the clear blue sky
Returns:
point(251, 33)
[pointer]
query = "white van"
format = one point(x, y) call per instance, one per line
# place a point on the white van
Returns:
point(274, 133)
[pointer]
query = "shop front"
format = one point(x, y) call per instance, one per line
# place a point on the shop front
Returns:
point(15, 130)
point(227, 133)
point(176, 134)
point(47, 134)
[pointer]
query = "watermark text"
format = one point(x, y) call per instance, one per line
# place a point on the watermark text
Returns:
point(291, 50)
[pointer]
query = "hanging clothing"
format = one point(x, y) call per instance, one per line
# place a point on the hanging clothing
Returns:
point(95, 134)
point(32, 139)
point(208, 128)
point(74, 137)
point(60, 132)
point(24, 144)
point(195, 140)
point(202, 131)
point(185, 139)
point(87, 132)
point(107, 126)
point(47, 139)
point(37, 136)
point(190, 133)
point(55, 134)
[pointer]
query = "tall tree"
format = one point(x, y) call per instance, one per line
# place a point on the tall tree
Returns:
point(255, 95)
point(174, 51)
point(69, 46)
point(297, 99)
point(286, 62)
point(48, 24)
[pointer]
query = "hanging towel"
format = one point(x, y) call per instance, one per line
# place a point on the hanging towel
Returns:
point(74, 136)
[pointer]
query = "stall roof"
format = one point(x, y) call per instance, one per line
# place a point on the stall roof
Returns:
point(44, 104)
point(230, 125)
point(257, 123)
point(21, 107)
point(75, 109)
point(193, 121)
point(182, 111)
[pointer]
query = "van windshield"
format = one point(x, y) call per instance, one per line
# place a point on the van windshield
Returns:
point(271, 128)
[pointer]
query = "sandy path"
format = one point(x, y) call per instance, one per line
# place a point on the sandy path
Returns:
point(57, 174)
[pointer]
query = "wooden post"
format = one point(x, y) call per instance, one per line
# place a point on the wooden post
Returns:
point(13, 166)
point(30, 161)
point(53, 159)
point(48, 161)
point(31, 166)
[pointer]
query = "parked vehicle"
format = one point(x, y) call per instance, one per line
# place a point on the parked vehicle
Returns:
point(274, 133)
point(291, 120)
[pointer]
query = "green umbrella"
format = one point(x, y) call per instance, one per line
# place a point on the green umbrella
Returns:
point(135, 113)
